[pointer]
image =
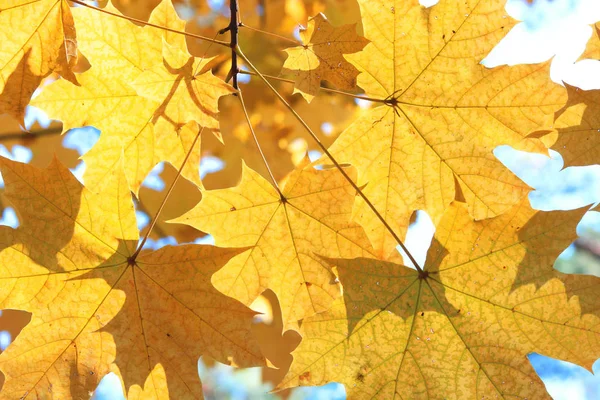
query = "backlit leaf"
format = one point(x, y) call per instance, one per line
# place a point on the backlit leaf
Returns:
point(321, 57)
point(285, 235)
point(446, 112)
point(94, 310)
point(31, 50)
point(489, 297)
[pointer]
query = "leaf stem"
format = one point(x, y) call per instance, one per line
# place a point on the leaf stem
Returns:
point(142, 207)
point(262, 155)
point(295, 42)
point(139, 21)
point(356, 96)
point(337, 165)
point(164, 201)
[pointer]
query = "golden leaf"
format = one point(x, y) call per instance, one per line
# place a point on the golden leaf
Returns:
point(285, 236)
point(119, 51)
point(578, 123)
point(185, 88)
point(321, 57)
point(95, 308)
point(41, 40)
point(488, 297)
point(444, 114)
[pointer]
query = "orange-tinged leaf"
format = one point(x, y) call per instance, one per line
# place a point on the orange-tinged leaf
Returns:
point(489, 297)
point(321, 57)
point(286, 236)
point(185, 88)
point(38, 38)
point(578, 122)
point(94, 308)
point(578, 127)
point(118, 51)
point(445, 112)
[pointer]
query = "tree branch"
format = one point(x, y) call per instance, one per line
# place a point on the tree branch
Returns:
point(233, 27)
point(30, 134)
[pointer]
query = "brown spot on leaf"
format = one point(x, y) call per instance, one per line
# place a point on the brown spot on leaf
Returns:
point(305, 377)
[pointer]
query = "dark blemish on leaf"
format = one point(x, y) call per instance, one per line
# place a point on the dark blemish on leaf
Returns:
point(232, 209)
point(168, 334)
point(362, 372)
point(422, 314)
point(444, 36)
point(305, 377)
point(308, 284)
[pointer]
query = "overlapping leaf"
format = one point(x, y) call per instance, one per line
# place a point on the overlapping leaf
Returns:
point(95, 308)
point(462, 329)
point(185, 88)
point(286, 236)
point(445, 112)
point(31, 51)
point(489, 296)
point(119, 52)
point(322, 57)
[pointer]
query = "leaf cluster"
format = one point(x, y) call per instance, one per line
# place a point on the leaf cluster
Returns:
point(322, 235)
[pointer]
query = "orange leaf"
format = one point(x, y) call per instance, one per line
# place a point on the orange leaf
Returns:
point(322, 57)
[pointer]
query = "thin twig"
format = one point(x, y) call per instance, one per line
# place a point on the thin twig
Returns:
point(139, 21)
point(337, 165)
point(141, 207)
point(258, 144)
point(356, 96)
point(295, 42)
point(162, 204)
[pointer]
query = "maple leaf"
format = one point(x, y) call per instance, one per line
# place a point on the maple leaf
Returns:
point(577, 135)
point(96, 307)
point(284, 235)
point(578, 126)
point(41, 40)
point(445, 113)
point(463, 328)
point(284, 141)
point(321, 57)
point(185, 87)
point(119, 52)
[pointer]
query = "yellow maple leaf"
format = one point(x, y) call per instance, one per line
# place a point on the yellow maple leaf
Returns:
point(578, 124)
point(462, 329)
point(444, 113)
point(285, 235)
point(41, 39)
point(118, 51)
point(96, 307)
point(321, 57)
point(577, 135)
point(185, 88)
